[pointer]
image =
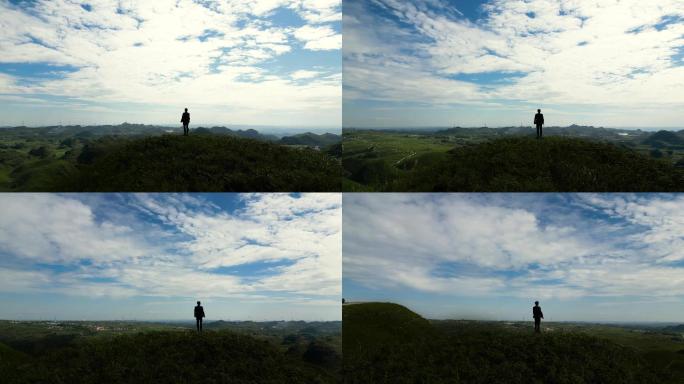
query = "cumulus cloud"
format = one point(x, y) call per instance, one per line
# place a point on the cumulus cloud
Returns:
point(222, 57)
point(319, 38)
point(502, 245)
point(172, 246)
point(575, 57)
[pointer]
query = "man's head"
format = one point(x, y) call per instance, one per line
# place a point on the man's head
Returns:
point(198, 303)
point(186, 109)
point(538, 110)
point(535, 303)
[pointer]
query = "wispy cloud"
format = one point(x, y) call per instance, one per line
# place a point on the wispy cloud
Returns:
point(576, 58)
point(229, 61)
point(248, 247)
point(562, 247)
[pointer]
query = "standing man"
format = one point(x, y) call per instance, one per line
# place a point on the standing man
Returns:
point(538, 121)
point(199, 314)
point(185, 119)
point(538, 315)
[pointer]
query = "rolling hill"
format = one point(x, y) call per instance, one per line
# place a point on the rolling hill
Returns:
point(548, 165)
point(387, 343)
point(201, 163)
point(55, 158)
point(165, 357)
point(311, 139)
point(664, 139)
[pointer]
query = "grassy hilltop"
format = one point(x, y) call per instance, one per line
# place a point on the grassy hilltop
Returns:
point(391, 161)
point(387, 343)
point(203, 163)
point(59, 159)
point(166, 354)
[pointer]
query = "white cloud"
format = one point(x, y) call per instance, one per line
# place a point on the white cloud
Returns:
point(572, 54)
point(54, 229)
point(304, 74)
point(319, 37)
point(458, 244)
point(171, 245)
point(221, 58)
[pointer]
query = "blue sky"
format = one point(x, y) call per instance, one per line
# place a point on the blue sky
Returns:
point(494, 62)
point(266, 62)
point(585, 257)
point(151, 256)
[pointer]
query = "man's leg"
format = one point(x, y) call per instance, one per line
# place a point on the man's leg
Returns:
point(200, 324)
point(536, 325)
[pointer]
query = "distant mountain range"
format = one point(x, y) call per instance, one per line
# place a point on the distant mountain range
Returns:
point(659, 139)
point(675, 328)
point(128, 129)
point(571, 130)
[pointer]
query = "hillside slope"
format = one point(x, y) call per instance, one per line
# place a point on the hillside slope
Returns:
point(202, 163)
point(548, 165)
point(311, 139)
point(170, 357)
point(404, 348)
point(664, 139)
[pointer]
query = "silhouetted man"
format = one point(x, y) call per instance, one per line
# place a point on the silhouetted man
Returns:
point(538, 315)
point(185, 119)
point(199, 314)
point(539, 121)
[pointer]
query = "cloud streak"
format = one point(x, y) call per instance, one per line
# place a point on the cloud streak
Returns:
point(265, 247)
point(230, 61)
point(576, 58)
point(562, 247)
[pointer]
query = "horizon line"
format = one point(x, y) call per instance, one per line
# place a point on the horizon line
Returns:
point(173, 125)
point(509, 126)
point(357, 302)
point(169, 321)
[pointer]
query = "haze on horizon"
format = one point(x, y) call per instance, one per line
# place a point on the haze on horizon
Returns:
point(494, 62)
point(152, 256)
point(265, 62)
point(585, 257)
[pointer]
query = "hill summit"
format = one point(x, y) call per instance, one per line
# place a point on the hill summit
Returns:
point(166, 357)
point(548, 165)
point(388, 343)
point(664, 138)
point(202, 163)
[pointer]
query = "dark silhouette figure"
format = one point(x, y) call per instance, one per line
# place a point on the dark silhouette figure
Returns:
point(185, 119)
point(539, 121)
point(199, 314)
point(538, 315)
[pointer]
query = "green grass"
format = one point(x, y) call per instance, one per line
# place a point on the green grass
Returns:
point(211, 163)
point(512, 164)
point(203, 163)
point(169, 357)
point(387, 343)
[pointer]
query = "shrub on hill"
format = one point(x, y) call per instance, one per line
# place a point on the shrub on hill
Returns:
point(551, 164)
point(171, 357)
point(202, 163)
point(387, 343)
